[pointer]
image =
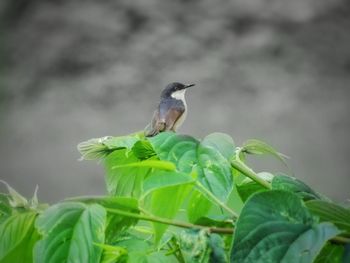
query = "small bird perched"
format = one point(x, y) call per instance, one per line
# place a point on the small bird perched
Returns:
point(171, 111)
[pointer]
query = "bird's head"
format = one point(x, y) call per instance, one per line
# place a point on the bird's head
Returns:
point(176, 90)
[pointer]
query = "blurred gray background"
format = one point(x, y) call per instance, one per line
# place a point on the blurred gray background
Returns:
point(275, 70)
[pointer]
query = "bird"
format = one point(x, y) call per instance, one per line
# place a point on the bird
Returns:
point(171, 111)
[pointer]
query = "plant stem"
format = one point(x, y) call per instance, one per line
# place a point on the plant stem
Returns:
point(216, 200)
point(341, 240)
point(244, 169)
point(165, 221)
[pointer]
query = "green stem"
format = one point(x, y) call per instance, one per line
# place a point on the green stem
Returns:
point(216, 200)
point(245, 170)
point(341, 240)
point(165, 221)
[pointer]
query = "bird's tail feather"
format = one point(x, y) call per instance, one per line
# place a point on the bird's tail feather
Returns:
point(159, 127)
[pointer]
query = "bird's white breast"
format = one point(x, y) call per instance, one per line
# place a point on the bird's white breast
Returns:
point(180, 95)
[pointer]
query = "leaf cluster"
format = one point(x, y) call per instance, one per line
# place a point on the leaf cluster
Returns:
point(175, 198)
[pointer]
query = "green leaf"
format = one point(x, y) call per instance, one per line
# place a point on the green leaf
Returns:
point(214, 170)
point(245, 190)
point(261, 148)
point(24, 251)
point(93, 149)
point(5, 207)
point(98, 148)
point(162, 179)
point(122, 141)
point(346, 256)
point(140, 251)
point(235, 202)
point(331, 253)
point(330, 212)
point(248, 187)
point(198, 206)
point(16, 230)
point(15, 198)
point(275, 226)
point(288, 183)
point(157, 257)
point(166, 203)
point(222, 142)
point(70, 231)
point(155, 164)
point(116, 224)
point(137, 248)
point(113, 254)
point(124, 181)
point(143, 150)
point(216, 245)
point(179, 149)
point(206, 157)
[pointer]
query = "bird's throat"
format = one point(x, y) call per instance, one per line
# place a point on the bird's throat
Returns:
point(179, 95)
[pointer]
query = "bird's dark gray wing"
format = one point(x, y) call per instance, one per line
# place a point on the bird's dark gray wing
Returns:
point(165, 117)
point(169, 112)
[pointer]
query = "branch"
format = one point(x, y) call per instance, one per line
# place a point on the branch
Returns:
point(216, 200)
point(219, 230)
point(245, 170)
point(340, 240)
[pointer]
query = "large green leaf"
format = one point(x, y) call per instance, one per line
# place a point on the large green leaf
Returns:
point(166, 203)
point(179, 149)
point(288, 183)
point(245, 190)
point(124, 181)
point(275, 226)
point(162, 179)
point(214, 171)
point(116, 224)
point(222, 142)
point(70, 231)
point(198, 206)
point(248, 187)
point(331, 253)
point(16, 233)
point(24, 251)
point(330, 212)
point(207, 157)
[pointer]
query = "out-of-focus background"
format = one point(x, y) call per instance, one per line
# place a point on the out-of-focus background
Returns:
point(276, 70)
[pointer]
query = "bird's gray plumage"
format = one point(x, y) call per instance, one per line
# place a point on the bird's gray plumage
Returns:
point(171, 110)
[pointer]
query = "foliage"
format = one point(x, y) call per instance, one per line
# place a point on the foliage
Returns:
point(174, 198)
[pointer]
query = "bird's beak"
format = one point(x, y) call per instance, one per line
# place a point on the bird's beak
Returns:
point(189, 85)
